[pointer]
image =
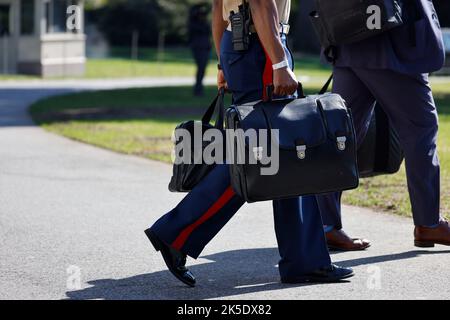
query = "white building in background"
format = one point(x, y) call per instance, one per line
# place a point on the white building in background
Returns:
point(34, 38)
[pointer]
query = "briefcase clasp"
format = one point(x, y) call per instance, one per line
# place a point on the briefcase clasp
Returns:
point(258, 153)
point(301, 152)
point(341, 143)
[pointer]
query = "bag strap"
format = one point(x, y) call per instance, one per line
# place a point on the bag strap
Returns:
point(412, 12)
point(221, 109)
point(326, 86)
point(210, 111)
point(300, 91)
point(330, 54)
point(218, 103)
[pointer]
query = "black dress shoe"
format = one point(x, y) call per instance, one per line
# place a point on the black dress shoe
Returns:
point(332, 273)
point(174, 259)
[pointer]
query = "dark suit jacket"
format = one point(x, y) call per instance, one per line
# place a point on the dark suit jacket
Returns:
point(395, 51)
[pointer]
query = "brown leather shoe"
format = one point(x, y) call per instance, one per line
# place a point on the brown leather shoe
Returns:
point(340, 241)
point(428, 237)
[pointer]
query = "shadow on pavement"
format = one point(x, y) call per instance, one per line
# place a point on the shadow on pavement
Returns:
point(14, 104)
point(228, 274)
point(389, 257)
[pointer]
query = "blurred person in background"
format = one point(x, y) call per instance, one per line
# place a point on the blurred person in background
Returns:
point(199, 41)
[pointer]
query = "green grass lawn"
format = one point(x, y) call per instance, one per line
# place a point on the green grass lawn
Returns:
point(175, 62)
point(140, 122)
point(125, 68)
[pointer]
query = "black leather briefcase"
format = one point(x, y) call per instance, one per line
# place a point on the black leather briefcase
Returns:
point(346, 21)
point(380, 153)
point(316, 143)
point(186, 175)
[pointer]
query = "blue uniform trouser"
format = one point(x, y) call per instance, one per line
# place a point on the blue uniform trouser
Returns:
point(409, 104)
point(206, 209)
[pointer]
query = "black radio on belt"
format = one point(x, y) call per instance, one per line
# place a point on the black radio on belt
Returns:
point(240, 27)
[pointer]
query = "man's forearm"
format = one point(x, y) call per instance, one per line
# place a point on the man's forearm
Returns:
point(266, 21)
point(218, 24)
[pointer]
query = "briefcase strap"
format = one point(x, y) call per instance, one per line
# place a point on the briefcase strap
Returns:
point(326, 86)
point(217, 104)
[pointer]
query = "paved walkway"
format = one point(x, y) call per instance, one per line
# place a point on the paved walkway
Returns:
point(69, 212)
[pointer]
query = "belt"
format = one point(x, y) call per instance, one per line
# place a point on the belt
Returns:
point(284, 28)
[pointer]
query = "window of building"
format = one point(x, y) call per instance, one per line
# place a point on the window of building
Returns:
point(4, 19)
point(27, 17)
point(56, 15)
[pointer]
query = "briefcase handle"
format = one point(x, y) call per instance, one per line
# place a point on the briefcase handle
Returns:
point(300, 92)
point(217, 104)
point(271, 88)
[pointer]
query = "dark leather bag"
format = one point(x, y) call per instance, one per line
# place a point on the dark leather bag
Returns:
point(317, 147)
point(380, 153)
point(345, 21)
point(187, 175)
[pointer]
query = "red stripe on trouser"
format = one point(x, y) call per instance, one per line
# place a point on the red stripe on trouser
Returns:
point(219, 204)
point(267, 76)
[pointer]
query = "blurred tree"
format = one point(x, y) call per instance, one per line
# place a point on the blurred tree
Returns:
point(93, 4)
point(117, 19)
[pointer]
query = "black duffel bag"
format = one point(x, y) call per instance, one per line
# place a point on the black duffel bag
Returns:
point(317, 147)
point(187, 174)
point(380, 153)
point(346, 21)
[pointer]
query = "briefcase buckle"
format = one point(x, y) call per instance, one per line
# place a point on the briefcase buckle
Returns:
point(258, 153)
point(341, 143)
point(301, 152)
